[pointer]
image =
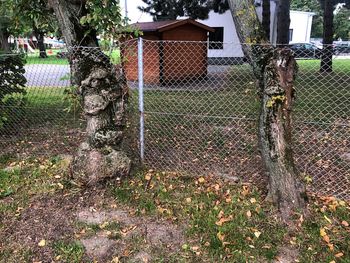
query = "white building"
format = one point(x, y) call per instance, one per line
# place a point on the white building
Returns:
point(300, 26)
point(225, 31)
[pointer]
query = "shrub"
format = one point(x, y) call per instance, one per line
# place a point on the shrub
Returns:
point(12, 84)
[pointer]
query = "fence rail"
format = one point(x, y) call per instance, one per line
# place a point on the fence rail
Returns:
point(199, 108)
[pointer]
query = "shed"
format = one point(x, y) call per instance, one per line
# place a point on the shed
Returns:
point(177, 53)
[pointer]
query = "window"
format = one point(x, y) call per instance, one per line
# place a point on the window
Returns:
point(216, 38)
point(290, 35)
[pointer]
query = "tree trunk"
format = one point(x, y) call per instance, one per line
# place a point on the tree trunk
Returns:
point(41, 45)
point(283, 22)
point(327, 52)
point(102, 96)
point(275, 70)
point(266, 17)
point(4, 44)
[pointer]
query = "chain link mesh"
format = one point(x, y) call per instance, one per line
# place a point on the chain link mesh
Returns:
point(200, 108)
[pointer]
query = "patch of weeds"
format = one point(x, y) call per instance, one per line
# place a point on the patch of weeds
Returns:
point(15, 255)
point(5, 159)
point(325, 235)
point(228, 220)
point(69, 252)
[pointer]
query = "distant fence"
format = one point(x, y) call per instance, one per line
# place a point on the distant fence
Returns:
point(200, 110)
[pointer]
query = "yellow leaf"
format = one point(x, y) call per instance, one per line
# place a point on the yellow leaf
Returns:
point(148, 177)
point(330, 221)
point(323, 232)
point(249, 214)
point(42, 243)
point(257, 234)
point(201, 180)
point(220, 236)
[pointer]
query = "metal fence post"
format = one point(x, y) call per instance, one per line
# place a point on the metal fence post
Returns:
point(141, 108)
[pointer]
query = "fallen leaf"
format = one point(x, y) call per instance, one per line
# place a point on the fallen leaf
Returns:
point(249, 214)
point(344, 223)
point(252, 200)
point(323, 232)
point(257, 234)
point(328, 220)
point(326, 238)
point(201, 180)
point(42, 243)
point(339, 255)
point(220, 236)
point(223, 220)
point(148, 177)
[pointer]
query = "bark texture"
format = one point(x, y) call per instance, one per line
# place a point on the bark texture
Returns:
point(283, 22)
point(102, 95)
point(41, 45)
point(275, 70)
point(327, 51)
point(266, 17)
point(4, 44)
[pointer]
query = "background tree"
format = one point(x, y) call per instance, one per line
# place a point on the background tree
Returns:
point(10, 24)
point(266, 17)
point(275, 70)
point(342, 24)
point(283, 22)
point(40, 20)
point(172, 9)
point(102, 94)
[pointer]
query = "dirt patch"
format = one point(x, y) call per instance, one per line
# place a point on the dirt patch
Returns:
point(287, 255)
point(89, 216)
point(98, 247)
point(50, 217)
point(154, 234)
point(164, 234)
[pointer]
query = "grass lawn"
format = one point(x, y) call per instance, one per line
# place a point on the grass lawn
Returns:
point(33, 58)
point(219, 221)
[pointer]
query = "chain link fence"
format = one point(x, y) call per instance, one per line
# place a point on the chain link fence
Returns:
point(200, 110)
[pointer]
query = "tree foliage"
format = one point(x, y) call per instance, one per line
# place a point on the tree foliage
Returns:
point(172, 9)
point(105, 17)
point(12, 83)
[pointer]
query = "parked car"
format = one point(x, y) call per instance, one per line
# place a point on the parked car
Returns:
point(342, 48)
point(306, 50)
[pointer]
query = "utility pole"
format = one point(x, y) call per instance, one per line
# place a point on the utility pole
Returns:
point(126, 8)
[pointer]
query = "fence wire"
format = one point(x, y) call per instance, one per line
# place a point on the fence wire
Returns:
point(200, 110)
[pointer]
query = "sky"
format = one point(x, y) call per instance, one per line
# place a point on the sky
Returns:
point(134, 14)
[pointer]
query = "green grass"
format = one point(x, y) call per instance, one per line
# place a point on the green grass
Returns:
point(249, 230)
point(201, 204)
point(69, 252)
point(33, 58)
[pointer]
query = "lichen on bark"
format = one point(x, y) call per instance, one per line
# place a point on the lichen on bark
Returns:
point(103, 101)
point(275, 69)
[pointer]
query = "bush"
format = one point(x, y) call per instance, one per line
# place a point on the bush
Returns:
point(12, 84)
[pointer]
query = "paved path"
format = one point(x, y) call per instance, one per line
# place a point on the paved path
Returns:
point(47, 75)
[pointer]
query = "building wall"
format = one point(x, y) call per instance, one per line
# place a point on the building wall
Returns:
point(301, 23)
point(232, 47)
